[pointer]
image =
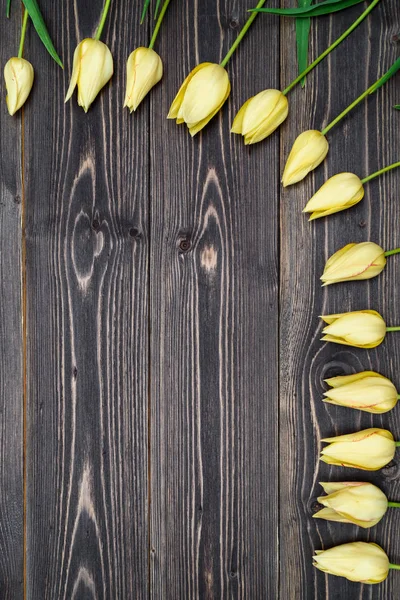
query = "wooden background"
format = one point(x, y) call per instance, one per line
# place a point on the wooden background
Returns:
point(161, 372)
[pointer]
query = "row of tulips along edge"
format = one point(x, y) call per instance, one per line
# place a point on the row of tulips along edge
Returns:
point(359, 503)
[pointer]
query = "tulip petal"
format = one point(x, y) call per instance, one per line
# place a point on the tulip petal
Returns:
point(205, 92)
point(330, 515)
point(75, 71)
point(237, 125)
point(176, 104)
point(196, 127)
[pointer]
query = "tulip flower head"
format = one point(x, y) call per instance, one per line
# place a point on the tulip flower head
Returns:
point(370, 449)
point(200, 97)
point(367, 391)
point(92, 69)
point(354, 262)
point(356, 502)
point(18, 76)
point(363, 562)
point(260, 116)
point(143, 70)
point(339, 192)
point(362, 329)
point(308, 151)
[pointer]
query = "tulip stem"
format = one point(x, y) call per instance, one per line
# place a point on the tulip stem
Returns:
point(23, 33)
point(331, 47)
point(392, 566)
point(397, 443)
point(241, 34)
point(103, 18)
point(394, 504)
point(380, 172)
point(370, 90)
point(393, 329)
point(158, 24)
point(391, 252)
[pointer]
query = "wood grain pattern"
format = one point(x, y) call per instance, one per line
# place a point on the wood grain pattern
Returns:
point(214, 322)
point(11, 343)
point(362, 143)
point(87, 280)
point(174, 371)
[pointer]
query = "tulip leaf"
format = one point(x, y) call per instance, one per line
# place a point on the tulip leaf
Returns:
point(302, 35)
point(8, 10)
point(397, 106)
point(146, 5)
point(315, 10)
point(41, 29)
point(157, 9)
point(389, 73)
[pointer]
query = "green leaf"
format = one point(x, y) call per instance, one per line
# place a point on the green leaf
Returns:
point(397, 106)
point(389, 73)
point(157, 9)
point(40, 26)
point(146, 5)
point(322, 8)
point(302, 35)
point(8, 10)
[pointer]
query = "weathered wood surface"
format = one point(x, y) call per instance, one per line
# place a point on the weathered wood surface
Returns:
point(11, 343)
point(174, 371)
point(87, 326)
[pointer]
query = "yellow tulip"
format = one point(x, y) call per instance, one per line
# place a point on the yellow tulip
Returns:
point(362, 329)
point(370, 449)
point(143, 70)
point(367, 391)
point(260, 116)
point(339, 192)
point(356, 502)
point(354, 262)
point(18, 75)
point(200, 97)
point(308, 151)
point(363, 562)
point(92, 69)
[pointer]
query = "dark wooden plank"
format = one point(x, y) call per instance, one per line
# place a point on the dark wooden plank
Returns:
point(365, 141)
point(87, 262)
point(11, 340)
point(214, 311)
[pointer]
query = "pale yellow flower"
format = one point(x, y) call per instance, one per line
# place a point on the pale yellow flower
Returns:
point(260, 116)
point(370, 449)
point(18, 76)
point(308, 151)
point(364, 562)
point(144, 69)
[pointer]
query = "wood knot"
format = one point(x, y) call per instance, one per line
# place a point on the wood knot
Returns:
point(185, 245)
point(134, 232)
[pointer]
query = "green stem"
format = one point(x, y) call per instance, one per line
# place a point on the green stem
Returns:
point(159, 21)
point(241, 34)
point(384, 170)
point(392, 566)
point(394, 504)
point(391, 252)
point(393, 329)
point(331, 47)
point(397, 443)
point(353, 104)
point(103, 18)
point(23, 33)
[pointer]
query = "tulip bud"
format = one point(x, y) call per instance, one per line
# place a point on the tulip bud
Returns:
point(355, 502)
point(309, 150)
point(200, 97)
point(339, 192)
point(367, 391)
point(363, 562)
point(362, 329)
point(143, 70)
point(370, 449)
point(92, 69)
point(354, 262)
point(260, 116)
point(18, 75)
